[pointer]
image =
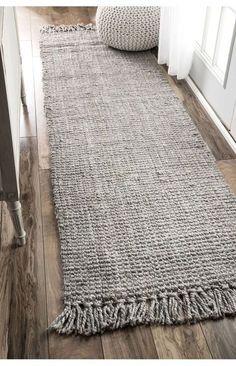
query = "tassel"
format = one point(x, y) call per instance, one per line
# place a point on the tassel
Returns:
point(66, 28)
point(164, 308)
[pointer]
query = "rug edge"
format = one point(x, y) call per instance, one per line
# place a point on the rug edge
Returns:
point(163, 309)
point(90, 319)
point(51, 28)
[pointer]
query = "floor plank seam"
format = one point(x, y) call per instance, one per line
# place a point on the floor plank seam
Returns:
point(202, 329)
point(44, 264)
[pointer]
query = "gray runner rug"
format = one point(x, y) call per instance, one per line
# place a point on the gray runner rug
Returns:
point(147, 224)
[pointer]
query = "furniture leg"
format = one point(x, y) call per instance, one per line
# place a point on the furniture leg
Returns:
point(16, 216)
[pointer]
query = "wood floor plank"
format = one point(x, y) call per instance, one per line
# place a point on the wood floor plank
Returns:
point(92, 14)
point(180, 342)
point(221, 337)
point(28, 314)
point(28, 124)
point(228, 169)
point(210, 133)
point(43, 143)
point(221, 334)
point(40, 16)
point(69, 346)
point(6, 249)
point(64, 15)
point(1, 213)
point(129, 343)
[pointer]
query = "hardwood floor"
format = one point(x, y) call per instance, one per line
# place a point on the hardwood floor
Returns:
point(28, 312)
point(31, 277)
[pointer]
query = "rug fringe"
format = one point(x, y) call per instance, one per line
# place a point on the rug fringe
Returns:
point(66, 28)
point(172, 308)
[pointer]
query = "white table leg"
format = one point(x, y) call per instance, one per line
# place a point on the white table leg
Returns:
point(16, 216)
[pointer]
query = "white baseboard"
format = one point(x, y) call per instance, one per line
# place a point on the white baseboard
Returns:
point(212, 114)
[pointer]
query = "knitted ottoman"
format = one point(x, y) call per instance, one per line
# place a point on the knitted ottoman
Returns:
point(129, 28)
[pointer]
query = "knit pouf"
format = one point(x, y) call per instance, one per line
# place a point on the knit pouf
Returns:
point(130, 28)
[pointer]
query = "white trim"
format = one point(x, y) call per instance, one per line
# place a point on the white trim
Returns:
point(222, 129)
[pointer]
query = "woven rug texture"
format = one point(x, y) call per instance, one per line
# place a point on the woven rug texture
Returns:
point(147, 224)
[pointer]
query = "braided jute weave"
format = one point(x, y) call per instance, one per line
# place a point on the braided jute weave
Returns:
point(147, 224)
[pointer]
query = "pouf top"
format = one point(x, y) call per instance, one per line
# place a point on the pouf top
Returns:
point(130, 28)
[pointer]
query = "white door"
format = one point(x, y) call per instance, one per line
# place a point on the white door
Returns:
point(214, 62)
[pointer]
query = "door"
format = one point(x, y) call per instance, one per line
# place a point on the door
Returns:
point(214, 62)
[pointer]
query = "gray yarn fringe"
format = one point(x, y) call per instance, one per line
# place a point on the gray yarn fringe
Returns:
point(66, 28)
point(165, 309)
